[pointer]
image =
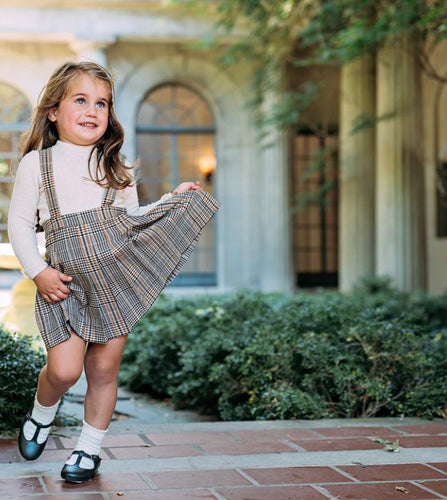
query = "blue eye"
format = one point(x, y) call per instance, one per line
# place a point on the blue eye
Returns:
point(80, 100)
point(101, 104)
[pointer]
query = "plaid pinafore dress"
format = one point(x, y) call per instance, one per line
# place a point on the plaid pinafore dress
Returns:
point(119, 263)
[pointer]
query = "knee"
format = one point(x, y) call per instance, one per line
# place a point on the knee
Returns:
point(63, 376)
point(100, 371)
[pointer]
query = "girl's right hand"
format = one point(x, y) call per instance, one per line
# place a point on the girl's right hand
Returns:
point(50, 284)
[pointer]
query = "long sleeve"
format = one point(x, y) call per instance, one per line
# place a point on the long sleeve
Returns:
point(22, 212)
point(128, 198)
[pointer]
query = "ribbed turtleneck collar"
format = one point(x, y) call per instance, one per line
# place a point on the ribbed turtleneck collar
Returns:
point(72, 149)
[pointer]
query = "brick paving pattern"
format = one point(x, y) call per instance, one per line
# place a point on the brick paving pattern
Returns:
point(243, 461)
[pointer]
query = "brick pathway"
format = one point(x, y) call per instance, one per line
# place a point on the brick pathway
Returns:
point(313, 460)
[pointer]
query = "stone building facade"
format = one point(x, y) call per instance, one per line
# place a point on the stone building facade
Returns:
point(186, 116)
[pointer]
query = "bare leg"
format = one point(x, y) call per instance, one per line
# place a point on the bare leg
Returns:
point(102, 362)
point(63, 369)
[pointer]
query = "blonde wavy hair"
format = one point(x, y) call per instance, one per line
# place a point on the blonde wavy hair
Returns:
point(110, 169)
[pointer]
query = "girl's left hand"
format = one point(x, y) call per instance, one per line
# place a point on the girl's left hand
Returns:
point(187, 186)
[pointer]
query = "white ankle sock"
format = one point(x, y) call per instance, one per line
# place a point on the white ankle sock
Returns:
point(89, 441)
point(43, 415)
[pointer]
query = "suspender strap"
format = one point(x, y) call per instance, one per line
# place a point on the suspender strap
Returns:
point(46, 168)
point(109, 197)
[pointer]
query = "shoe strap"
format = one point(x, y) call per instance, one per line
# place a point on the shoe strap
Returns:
point(38, 425)
point(82, 454)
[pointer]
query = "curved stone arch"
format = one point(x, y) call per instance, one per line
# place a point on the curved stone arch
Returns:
point(238, 159)
point(23, 89)
point(221, 94)
point(185, 85)
point(20, 93)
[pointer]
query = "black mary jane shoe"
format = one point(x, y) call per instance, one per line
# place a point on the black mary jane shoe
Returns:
point(75, 473)
point(31, 449)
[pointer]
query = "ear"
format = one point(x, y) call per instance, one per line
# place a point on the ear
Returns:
point(52, 114)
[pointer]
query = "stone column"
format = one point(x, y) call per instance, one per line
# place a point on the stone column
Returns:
point(400, 231)
point(276, 217)
point(277, 269)
point(357, 172)
point(91, 50)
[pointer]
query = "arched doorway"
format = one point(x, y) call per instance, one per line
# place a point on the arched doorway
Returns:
point(175, 142)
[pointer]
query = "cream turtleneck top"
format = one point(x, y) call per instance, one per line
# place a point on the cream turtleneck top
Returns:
point(75, 192)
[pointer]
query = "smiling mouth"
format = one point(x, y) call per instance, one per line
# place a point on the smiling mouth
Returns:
point(88, 125)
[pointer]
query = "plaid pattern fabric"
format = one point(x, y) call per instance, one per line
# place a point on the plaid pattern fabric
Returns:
point(119, 263)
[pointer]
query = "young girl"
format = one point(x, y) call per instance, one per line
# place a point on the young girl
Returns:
point(107, 259)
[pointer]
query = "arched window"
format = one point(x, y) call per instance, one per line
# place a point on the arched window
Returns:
point(15, 113)
point(175, 139)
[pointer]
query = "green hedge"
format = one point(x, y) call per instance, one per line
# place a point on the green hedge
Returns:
point(20, 365)
point(375, 352)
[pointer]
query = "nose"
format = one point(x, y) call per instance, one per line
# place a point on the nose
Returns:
point(91, 110)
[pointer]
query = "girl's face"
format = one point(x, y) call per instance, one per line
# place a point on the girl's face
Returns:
point(82, 116)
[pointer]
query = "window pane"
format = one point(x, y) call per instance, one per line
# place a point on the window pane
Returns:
point(197, 156)
point(174, 106)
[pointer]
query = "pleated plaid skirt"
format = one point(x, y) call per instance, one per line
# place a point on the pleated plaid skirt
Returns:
point(119, 263)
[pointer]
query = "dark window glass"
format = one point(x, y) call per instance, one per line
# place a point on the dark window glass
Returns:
point(315, 219)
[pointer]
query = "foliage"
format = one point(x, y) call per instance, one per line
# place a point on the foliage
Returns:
point(332, 31)
point(20, 365)
point(162, 336)
point(375, 352)
point(298, 33)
